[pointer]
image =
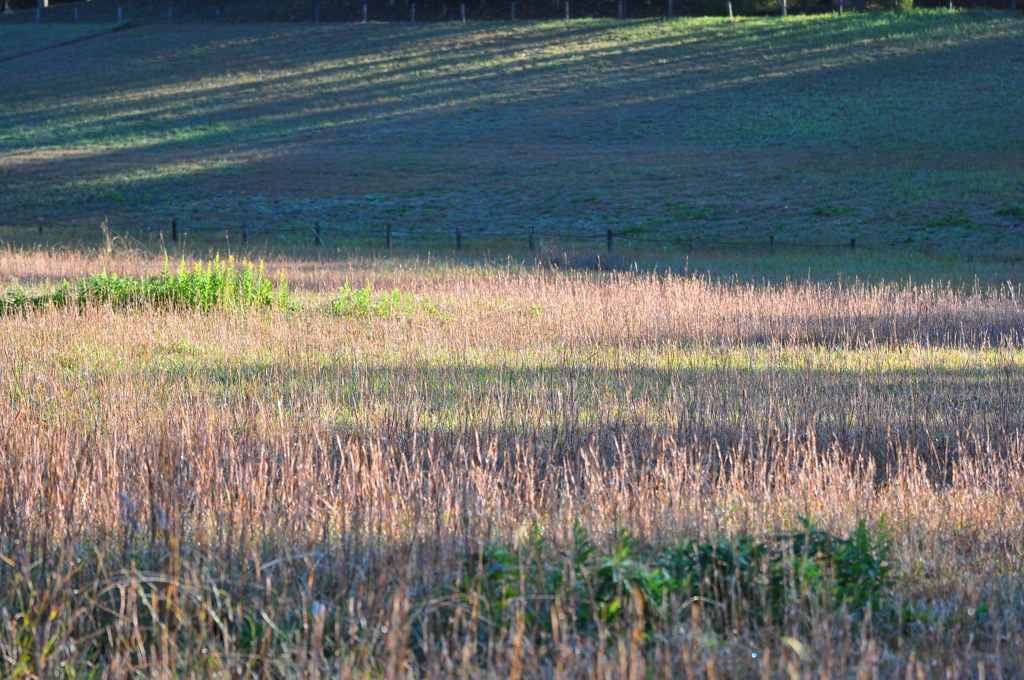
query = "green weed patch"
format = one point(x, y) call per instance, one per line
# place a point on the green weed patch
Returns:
point(365, 302)
point(219, 283)
point(742, 583)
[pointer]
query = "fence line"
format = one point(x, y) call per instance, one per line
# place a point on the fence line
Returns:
point(67, 12)
point(388, 236)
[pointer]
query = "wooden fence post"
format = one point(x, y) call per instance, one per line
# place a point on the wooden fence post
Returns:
point(412, 13)
point(513, 11)
point(533, 246)
point(783, 7)
point(364, 13)
point(174, 230)
point(458, 239)
point(771, 243)
point(729, 5)
point(853, 244)
point(610, 235)
point(40, 226)
point(669, 9)
point(566, 10)
point(119, 15)
point(462, 12)
point(620, 10)
point(316, 235)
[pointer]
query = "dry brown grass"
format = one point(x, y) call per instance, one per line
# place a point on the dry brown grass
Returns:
point(165, 477)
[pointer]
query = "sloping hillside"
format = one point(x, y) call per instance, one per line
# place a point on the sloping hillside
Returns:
point(892, 129)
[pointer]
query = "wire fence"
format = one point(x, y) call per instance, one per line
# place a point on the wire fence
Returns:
point(314, 11)
point(389, 237)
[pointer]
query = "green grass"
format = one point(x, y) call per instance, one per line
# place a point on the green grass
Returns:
point(815, 129)
point(26, 39)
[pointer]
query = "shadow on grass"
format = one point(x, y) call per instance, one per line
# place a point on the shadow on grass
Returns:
point(593, 123)
point(938, 415)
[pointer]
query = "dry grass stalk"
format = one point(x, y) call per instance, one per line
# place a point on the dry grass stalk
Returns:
point(166, 478)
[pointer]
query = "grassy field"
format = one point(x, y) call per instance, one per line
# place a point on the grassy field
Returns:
point(896, 129)
point(25, 40)
point(405, 469)
point(709, 462)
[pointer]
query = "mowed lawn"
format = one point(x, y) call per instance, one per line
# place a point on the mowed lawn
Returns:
point(900, 130)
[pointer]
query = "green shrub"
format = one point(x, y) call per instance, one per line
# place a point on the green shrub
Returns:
point(219, 283)
point(743, 582)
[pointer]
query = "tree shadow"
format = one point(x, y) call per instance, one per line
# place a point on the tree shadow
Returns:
point(566, 414)
point(578, 124)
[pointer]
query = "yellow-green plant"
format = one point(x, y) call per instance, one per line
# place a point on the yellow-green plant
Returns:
point(203, 286)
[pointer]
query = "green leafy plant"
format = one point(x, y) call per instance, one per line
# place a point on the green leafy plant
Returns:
point(728, 574)
point(219, 283)
point(854, 572)
point(741, 580)
point(622, 576)
point(365, 302)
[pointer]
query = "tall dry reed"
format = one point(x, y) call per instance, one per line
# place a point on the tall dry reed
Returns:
point(293, 493)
